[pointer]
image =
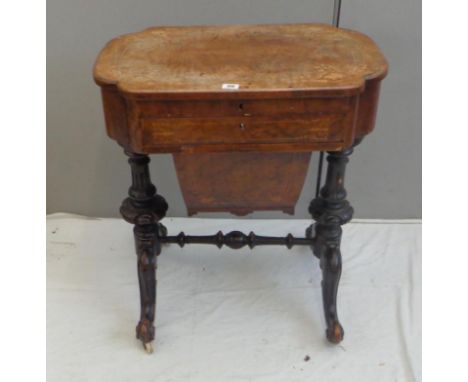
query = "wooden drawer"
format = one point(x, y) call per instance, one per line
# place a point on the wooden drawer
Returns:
point(246, 108)
point(160, 133)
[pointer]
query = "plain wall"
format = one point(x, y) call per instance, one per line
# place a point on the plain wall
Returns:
point(87, 173)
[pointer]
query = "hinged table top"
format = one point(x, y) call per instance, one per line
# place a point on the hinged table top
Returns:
point(248, 61)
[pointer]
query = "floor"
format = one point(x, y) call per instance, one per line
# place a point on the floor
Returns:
point(225, 315)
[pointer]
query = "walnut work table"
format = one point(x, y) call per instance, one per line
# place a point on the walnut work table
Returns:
point(241, 108)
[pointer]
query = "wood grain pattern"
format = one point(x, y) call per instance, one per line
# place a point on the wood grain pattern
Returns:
point(255, 130)
point(241, 183)
point(297, 59)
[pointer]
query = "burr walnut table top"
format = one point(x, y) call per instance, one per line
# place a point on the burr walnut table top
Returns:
point(290, 60)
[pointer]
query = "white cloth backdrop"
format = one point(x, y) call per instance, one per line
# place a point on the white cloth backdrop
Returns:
point(232, 315)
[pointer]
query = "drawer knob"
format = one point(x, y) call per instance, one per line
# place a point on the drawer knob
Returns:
point(242, 126)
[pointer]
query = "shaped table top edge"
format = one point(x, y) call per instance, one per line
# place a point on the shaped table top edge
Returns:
point(355, 86)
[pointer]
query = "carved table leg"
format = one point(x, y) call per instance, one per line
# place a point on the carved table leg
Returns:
point(331, 210)
point(144, 208)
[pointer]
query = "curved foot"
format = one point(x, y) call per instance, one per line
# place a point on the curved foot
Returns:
point(145, 333)
point(335, 333)
point(331, 268)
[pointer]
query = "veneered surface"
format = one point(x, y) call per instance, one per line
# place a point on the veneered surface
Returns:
point(292, 59)
point(241, 183)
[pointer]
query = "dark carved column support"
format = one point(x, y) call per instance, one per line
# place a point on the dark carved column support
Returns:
point(145, 208)
point(330, 211)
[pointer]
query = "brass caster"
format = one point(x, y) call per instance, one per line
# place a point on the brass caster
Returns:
point(148, 347)
point(145, 333)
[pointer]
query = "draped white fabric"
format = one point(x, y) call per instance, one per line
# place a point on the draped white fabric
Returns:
point(232, 315)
